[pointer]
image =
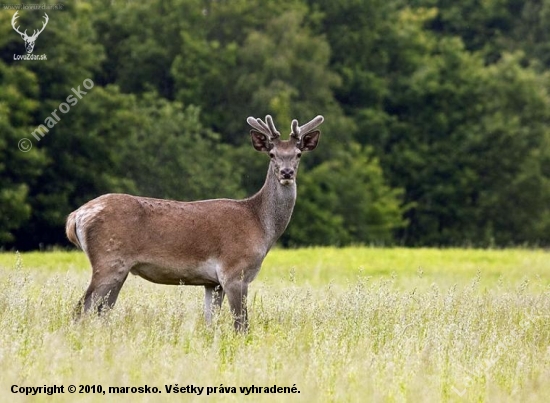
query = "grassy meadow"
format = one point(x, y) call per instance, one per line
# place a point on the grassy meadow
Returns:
point(342, 325)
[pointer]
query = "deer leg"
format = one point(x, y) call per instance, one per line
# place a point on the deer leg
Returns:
point(213, 298)
point(237, 292)
point(103, 290)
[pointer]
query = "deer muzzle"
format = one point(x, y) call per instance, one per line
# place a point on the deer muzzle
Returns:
point(286, 176)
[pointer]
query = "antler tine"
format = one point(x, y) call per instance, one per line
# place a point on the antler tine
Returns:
point(298, 131)
point(34, 33)
point(13, 20)
point(255, 123)
point(274, 132)
point(267, 129)
point(259, 125)
point(295, 132)
point(45, 16)
point(313, 124)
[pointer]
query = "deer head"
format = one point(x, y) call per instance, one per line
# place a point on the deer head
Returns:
point(285, 154)
point(29, 40)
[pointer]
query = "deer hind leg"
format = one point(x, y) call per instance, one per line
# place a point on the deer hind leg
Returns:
point(213, 298)
point(102, 293)
point(237, 292)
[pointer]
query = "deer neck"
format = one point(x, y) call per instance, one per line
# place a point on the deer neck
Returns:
point(274, 204)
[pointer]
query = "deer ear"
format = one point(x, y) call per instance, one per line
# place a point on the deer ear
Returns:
point(309, 141)
point(260, 141)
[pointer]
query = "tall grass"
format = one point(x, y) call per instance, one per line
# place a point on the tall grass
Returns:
point(429, 325)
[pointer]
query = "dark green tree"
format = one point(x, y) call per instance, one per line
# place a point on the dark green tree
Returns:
point(462, 138)
point(20, 163)
point(171, 155)
point(346, 200)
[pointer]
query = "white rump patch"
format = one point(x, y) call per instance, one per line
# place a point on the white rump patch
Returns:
point(84, 216)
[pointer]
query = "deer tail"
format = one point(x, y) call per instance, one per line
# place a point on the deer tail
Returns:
point(70, 229)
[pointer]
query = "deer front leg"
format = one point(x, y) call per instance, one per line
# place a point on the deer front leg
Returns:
point(213, 298)
point(237, 292)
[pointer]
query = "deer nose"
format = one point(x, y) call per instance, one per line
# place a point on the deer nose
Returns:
point(287, 173)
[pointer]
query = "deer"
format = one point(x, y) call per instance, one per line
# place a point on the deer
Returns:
point(29, 40)
point(219, 244)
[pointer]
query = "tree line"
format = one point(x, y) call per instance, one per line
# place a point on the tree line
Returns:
point(437, 127)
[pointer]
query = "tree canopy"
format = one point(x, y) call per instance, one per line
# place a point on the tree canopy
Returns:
point(437, 127)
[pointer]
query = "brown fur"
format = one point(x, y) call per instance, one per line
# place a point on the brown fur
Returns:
point(219, 244)
point(70, 230)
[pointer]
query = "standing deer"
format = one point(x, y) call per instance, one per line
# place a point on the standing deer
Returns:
point(219, 244)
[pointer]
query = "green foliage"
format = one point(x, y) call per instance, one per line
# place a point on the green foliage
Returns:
point(170, 143)
point(448, 102)
point(18, 170)
point(346, 200)
point(461, 141)
point(454, 132)
point(129, 34)
point(285, 69)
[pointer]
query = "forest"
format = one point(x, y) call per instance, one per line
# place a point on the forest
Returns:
point(437, 114)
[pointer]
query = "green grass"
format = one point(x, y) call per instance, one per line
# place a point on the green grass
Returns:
point(345, 325)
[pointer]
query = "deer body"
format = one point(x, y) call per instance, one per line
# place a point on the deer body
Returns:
point(219, 244)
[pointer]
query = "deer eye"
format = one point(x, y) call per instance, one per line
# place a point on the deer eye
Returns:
point(271, 155)
point(299, 155)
